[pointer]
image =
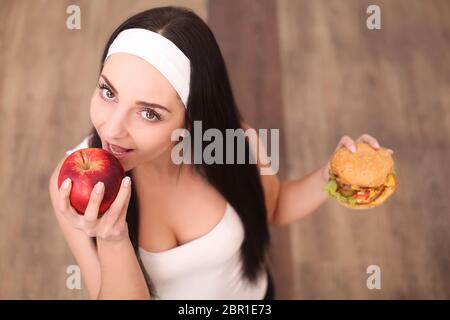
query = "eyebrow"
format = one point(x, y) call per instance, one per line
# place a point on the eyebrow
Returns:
point(141, 103)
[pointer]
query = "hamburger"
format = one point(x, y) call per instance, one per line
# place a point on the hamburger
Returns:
point(363, 179)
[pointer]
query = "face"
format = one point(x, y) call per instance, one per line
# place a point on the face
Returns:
point(135, 107)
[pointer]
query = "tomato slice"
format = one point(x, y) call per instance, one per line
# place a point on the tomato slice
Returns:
point(363, 195)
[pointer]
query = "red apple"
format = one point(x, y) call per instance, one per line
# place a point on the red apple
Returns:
point(86, 167)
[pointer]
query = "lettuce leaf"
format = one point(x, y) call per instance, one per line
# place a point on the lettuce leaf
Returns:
point(331, 189)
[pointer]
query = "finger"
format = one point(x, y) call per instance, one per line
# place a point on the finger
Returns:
point(390, 151)
point(114, 220)
point(370, 140)
point(91, 213)
point(123, 215)
point(64, 195)
point(65, 208)
point(120, 203)
point(348, 143)
point(114, 224)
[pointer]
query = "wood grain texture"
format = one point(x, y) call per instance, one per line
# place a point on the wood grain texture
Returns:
point(247, 33)
point(47, 76)
point(308, 67)
point(342, 79)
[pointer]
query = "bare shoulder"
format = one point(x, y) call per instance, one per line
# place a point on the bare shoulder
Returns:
point(270, 183)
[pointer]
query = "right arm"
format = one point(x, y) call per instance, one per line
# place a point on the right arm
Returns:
point(81, 245)
point(111, 270)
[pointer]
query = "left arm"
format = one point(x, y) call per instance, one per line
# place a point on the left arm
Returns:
point(298, 198)
point(287, 201)
point(290, 200)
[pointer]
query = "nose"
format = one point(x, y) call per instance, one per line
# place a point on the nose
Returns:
point(115, 126)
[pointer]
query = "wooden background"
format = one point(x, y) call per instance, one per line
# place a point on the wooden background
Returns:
point(308, 67)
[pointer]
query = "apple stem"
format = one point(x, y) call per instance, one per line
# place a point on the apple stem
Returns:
point(84, 161)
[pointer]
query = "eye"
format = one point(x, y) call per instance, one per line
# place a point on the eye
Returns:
point(150, 115)
point(105, 92)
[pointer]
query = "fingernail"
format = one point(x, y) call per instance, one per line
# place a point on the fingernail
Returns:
point(353, 148)
point(66, 183)
point(99, 187)
point(126, 181)
point(377, 145)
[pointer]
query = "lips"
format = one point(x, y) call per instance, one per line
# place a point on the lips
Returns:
point(116, 150)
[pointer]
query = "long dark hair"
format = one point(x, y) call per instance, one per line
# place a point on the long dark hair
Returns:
point(211, 101)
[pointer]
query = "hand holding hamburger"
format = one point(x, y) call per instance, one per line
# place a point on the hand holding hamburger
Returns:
point(360, 175)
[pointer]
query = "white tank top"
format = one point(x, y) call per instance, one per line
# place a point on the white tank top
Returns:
point(208, 267)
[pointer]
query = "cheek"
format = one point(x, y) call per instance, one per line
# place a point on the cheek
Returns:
point(156, 141)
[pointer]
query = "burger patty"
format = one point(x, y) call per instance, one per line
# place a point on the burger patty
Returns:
point(362, 195)
point(348, 191)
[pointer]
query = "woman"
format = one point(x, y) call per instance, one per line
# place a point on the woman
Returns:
point(176, 231)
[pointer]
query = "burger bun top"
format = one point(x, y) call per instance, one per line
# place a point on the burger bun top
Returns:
point(367, 167)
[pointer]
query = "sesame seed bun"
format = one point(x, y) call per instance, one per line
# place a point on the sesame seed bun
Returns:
point(366, 167)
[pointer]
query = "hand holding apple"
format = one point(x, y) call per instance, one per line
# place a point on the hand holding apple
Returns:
point(112, 226)
point(85, 168)
point(92, 181)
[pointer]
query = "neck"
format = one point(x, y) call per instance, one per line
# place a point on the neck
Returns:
point(159, 172)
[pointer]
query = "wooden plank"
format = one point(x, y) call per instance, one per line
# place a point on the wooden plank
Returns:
point(342, 79)
point(47, 76)
point(248, 38)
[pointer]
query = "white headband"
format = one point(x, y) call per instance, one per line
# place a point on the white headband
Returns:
point(160, 52)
